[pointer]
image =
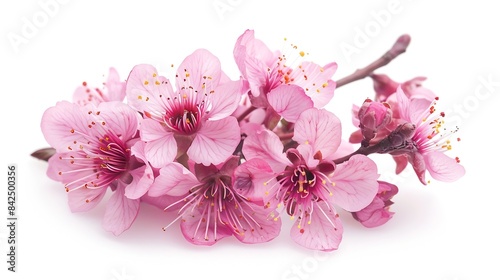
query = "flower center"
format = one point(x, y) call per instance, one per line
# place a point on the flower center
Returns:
point(303, 180)
point(114, 156)
point(184, 115)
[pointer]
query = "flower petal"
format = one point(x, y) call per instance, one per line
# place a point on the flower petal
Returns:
point(120, 212)
point(147, 91)
point(64, 124)
point(324, 233)
point(442, 167)
point(259, 226)
point(174, 179)
point(84, 199)
point(199, 72)
point(119, 118)
point(251, 178)
point(355, 183)
point(317, 81)
point(161, 147)
point(115, 86)
point(215, 141)
point(142, 179)
point(267, 146)
point(289, 101)
point(197, 230)
point(225, 99)
point(319, 128)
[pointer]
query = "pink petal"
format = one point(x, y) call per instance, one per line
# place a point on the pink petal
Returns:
point(419, 108)
point(199, 231)
point(115, 86)
point(374, 215)
point(84, 95)
point(147, 91)
point(141, 182)
point(324, 233)
point(84, 199)
point(259, 227)
point(355, 183)
point(174, 179)
point(160, 147)
point(215, 141)
point(119, 118)
point(401, 163)
point(64, 124)
point(403, 104)
point(266, 145)
point(120, 212)
point(319, 128)
point(417, 160)
point(252, 178)
point(225, 99)
point(201, 70)
point(443, 168)
point(289, 101)
point(317, 81)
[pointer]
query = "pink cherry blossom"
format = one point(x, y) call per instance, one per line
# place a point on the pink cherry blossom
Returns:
point(306, 184)
point(211, 208)
point(195, 119)
point(113, 90)
point(425, 151)
point(385, 92)
point(377, 213)
point(96, 149)
point(273, 83)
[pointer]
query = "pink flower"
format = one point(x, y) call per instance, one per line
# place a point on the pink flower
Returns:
point(95, 150)
point(113, 90)
point(211, 208)
point(273, 83)
point(377, 213)
point(195, 118)
point(425, 149)
point(306, 183)
point(385, 92)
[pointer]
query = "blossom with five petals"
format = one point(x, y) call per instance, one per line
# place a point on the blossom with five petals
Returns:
point(306, 183)
point(96, 148)
point(195, 119)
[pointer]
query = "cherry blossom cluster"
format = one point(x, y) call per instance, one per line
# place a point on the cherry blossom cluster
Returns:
point(235, 157)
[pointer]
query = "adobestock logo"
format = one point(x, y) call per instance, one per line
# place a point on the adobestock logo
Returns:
point(31, 25)
point(363, 35)
point(224, 6)
point(484, 90)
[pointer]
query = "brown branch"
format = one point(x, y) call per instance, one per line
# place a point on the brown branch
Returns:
point(398, 48)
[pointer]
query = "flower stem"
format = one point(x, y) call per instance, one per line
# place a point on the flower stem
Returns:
point(246, 113)
point(398, 48)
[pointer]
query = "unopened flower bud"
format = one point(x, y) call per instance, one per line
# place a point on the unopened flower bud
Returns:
point(373, 116)
point(377, 213)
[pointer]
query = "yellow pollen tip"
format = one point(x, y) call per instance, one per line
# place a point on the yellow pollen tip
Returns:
point(302, 54)
point(154, 75)
point(324, 85)
point(146, 83)
point(139, 97)
point(157, 83)
point(292, 217)
point(275, 219)
point(308, 222)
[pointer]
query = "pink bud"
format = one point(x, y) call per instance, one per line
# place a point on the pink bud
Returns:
point(384, 86)
point(373, 116)
point(377, 213)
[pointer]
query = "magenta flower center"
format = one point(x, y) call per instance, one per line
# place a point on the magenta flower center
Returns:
point(184, 115)
point(98, 163)
point(218, 205)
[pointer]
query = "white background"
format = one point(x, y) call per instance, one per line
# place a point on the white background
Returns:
point(440, 231)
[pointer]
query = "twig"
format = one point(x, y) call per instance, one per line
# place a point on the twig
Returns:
point(398, 48)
